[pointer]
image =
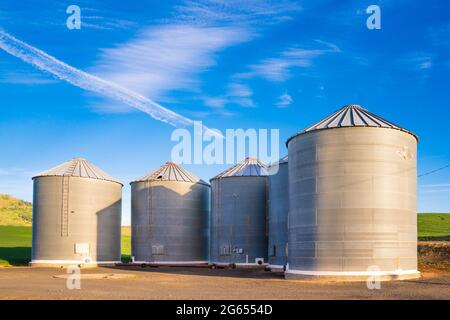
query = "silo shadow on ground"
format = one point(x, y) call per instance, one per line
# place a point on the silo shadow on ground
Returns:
point(15, 256)
point(204, 271)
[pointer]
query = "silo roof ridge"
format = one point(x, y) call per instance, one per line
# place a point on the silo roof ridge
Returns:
point(77, 167)
point(250, 167)
point(352, 116)
point(171, 171)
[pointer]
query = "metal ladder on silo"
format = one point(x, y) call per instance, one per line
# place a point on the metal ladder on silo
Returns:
point(65, 208)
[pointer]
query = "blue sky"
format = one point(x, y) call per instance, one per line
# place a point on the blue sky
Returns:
point(231, 64)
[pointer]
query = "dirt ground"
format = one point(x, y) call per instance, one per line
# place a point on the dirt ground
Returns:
point(204, 283)
point(127, 282)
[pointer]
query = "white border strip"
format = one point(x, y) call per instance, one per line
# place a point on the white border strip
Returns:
point(169, 262)
point(276, 266)
point(72, 262)
point(352, 273)
point(220, 264)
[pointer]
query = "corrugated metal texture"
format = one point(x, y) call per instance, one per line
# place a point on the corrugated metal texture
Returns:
point(250, 167)
point(76, 218)
point(278, 207)
point(352, 116)
point(239, 215)
point(171, 171)
point(77, 167)
point(352, 194)
point(170, 218)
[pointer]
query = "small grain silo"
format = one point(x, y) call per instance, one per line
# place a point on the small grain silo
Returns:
point(169, 217)
point(278, 207)
point(239, 215)
point(76, 215)
point(352, 194)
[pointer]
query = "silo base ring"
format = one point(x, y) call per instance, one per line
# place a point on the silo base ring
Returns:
point(351, 275)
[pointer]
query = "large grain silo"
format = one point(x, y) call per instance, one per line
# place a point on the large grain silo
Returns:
point(352, 193)
point(169, 217)
point(76, 215)
point(278, 207)
point(239, 214)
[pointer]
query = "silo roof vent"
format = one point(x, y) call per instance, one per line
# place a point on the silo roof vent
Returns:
point(352, 116)
point(250, 167)
point(77, 167)
point(171, 171)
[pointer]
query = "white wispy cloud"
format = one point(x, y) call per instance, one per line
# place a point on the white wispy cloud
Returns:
point(417, 61)
point(237, 11)
point(81, 79)
point(239, 90)
point(279, 69)
point(17, 172)
point(166, 58)
point(104, 23)
point(237, 94)
point(240, 94)
point(434, 188)
point(284, 100)
point(25, 78)
point(215, 102)
point(173, 54)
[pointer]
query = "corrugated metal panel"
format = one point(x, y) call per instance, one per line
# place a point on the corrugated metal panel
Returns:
point(238, 220)
point(278, 207)
point(75, 218)
point(352, 198)
point(352, 116)
point(77, 167)
point(169, 220)
point(171, 171)
point(250, 167)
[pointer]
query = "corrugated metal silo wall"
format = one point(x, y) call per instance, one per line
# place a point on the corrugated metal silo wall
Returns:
point(170, 221)
point(278, 207)
point(238, 220)
point(353, 200)
point(90, 216)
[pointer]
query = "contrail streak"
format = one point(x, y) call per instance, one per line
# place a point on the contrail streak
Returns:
point(81, 79)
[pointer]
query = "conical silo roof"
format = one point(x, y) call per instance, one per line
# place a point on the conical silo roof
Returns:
point(77, 167)
point(171, 171)
point(273, 168)
point(352, 116)
point(282, 160)
point(250, 167)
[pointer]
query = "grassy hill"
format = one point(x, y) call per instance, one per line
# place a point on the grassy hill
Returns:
point(434, 226)
point(14, 212)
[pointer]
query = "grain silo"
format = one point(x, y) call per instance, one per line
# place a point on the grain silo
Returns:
point(278, 207)
point(169, 217)
point(239, 214)
point(352, 194)
point(76, 215)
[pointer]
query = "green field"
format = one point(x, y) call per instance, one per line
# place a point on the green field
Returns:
point(126, 244)
point(15, 246)
point(434, 226)
point(14, 212)
point(15, 241)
